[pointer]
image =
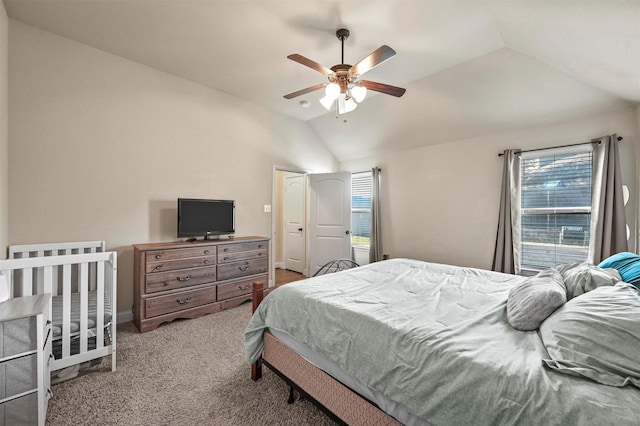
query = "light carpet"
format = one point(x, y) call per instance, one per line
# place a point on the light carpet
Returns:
point(188, 372)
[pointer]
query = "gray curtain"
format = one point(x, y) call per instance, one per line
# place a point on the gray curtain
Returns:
point(506, 256)
point(375, 249)
point(608, 221)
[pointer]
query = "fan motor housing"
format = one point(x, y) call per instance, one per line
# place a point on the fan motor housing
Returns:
point(341, 76)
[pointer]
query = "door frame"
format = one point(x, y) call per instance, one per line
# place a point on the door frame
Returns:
point(274, 206)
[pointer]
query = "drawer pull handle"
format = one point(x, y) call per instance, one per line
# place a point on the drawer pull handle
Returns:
point(48, 322)
point(244, 287)
point(259, 246)
point(187, 278)
point(158, 267)
point(206, 252)
point(226, 258)
point(260, 254)
point(226, 249)
point(158, 256)
point(244, 268)
point(183, 301)
point(206, 261)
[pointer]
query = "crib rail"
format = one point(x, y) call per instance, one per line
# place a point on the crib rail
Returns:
point(55, 249)
point(72, 273)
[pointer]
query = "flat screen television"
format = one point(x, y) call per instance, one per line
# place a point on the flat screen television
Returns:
point(205, 218)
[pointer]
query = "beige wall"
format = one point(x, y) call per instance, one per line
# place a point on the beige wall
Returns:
point(4, 132)
point(101, 147)
point(440, 203)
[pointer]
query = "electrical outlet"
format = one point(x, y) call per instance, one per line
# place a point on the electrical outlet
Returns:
point(267, 208)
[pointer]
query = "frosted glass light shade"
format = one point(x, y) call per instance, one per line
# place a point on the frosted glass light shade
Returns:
point(359, 93)
point(350, 105)
point(332, 91)
point(345, 105)
point(327, 102)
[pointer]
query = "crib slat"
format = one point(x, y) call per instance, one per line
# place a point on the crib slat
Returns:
point(39, 274)
point(84, 308)
point(100, 307)
point(47, 280)
point(27, 282)
point(66, 311)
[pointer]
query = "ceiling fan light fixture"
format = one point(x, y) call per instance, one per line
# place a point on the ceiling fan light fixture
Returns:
point(359, 93)
point(343, 87)
point(327, 102)
point(345, 104)
point(350, 105)
point(332, 91)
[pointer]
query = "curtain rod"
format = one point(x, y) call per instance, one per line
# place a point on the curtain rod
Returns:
point(560, 146)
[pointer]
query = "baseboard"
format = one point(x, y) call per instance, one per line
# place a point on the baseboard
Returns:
point(278, 265)
point(126, 316)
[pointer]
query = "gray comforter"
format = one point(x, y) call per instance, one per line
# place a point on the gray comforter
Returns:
point(435, 339)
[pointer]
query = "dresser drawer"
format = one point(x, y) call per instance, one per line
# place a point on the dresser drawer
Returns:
point(181, 253)
point(17, 336)
point(19, 375)
point(171, 265)
point(162, 281)
point(239, 287)
point(242, 268)
point(241, 255)
point(177, 302)
point(235, 248)
point(20, 411)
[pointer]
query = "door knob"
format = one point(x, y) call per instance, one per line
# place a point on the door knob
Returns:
point(300, 229)
point(347, 232)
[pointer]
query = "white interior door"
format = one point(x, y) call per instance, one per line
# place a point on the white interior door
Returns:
point(294, 223)
point(329, 218)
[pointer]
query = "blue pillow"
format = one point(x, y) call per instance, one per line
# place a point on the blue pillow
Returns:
point(627, 264)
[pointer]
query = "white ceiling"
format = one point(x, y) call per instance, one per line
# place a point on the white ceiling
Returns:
point(470, 68)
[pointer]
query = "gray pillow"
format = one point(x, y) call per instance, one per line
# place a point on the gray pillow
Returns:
point(533, 300)
point(596, 335)
point(580, 278)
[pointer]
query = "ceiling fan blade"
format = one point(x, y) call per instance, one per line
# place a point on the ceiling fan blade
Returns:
point(309, 63)
point(378, 56)
point(303, 91)
point(387, 89)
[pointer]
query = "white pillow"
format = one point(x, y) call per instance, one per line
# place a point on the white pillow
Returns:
point(596, 335)
point(533, 300)
point(580, 278)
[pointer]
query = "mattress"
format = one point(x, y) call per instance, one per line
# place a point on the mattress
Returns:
point(75, 314)
point(434, 339)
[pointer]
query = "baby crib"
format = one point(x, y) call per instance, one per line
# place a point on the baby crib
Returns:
point(81, 277)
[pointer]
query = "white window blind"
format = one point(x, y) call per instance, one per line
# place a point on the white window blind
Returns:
point(555, 207)
point(360, 208)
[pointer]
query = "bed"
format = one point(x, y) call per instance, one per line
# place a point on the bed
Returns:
point(424, 343)
point(81, 277)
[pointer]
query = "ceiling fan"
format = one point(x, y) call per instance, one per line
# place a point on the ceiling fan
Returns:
point(343, 87)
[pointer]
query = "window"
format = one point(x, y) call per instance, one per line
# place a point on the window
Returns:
point(360, 208)
point(555, 206)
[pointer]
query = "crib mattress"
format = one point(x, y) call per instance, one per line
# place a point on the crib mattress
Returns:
point(75, 313)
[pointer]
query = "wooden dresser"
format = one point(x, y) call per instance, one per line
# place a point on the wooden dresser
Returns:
point(190, 279)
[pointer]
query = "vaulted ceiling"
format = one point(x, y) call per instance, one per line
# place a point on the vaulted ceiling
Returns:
point(470, 68)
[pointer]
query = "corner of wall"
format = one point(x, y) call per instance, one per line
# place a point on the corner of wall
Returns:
point(4, 130)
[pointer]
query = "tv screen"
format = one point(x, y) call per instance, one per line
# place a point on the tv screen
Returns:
point(205, 217)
